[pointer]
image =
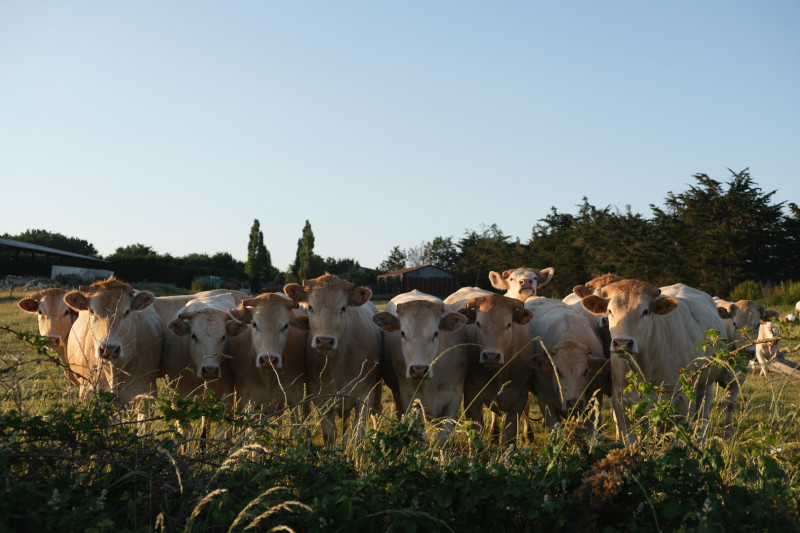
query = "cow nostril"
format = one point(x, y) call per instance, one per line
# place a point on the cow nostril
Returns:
point(211, 372)
point(418, 371)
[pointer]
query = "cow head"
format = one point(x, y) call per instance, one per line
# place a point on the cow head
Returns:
point(110, 305)
point(596, 285)
point(54, 315)
point(521, 283)
point(631, 306)
point(419, 323)
point(270, 316)
point(328, 298)
point(575, 367)
point(494, 317)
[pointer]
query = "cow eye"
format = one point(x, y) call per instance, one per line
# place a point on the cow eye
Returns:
point(435, 334)
point(402, 334)
point(343, 310)
point(194, 337)
point(645, 312)
point(128, 312)
point(66, 313)
point(508, 326)
point(285, 327)
point(310, 309)
point(478, 324)
point(255, 326)
point(40, 312)
point(91, 312)
point(223, 338)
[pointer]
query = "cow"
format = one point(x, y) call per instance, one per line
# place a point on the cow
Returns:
point(521, 283)
point(501, 344)
point(593, 286)
point(566, 373)
point(55, 320)
point(167, 306)
point(116, 340)
point(196, 346)
point(269, 361)
point(657, 333)
point(424, 356)
point(343, 350)
point(767, 345)
point(743, 321)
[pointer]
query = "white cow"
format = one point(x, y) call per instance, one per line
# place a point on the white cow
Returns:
point(767, 346)
point(424, 355)
point(658, 332)
point(55, 320)
point(743, 321)
point(116, 340)
point(344, 350)
point(566, 374)
point(269, 362)
point(196, 346)
point(521, 283)
point(501, 345)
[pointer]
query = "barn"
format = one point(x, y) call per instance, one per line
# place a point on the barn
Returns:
point(25, 259)
point(425, 278)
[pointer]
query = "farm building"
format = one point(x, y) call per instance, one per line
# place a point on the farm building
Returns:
point(425, 278)
point(25, 259)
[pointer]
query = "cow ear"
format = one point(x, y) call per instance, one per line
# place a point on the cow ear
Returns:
point(581, 291)
point(452, 321)
point(595, 304)
point(359, 296)
point(233, 328)
point(540, 362)
point(522, 316)
point(771, 313)
point(723, 313)
point(299, 321)
point(470, 314)
point(76, 300)
point(599, 364)
point(386, 321)
point(28, 305)
point(179, 327)
point(498, 281)
point(545, 275)
point(665, 305)
point(296, 292)
point(241, 314)
point(142, 300)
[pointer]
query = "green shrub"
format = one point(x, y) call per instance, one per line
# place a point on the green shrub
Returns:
point(746, 290)
point(200, 285)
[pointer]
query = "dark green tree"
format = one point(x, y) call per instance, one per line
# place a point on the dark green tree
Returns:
point(395, 261)
point(442, 253)
point(258, 267)
point(307, 264)
point(480, 253)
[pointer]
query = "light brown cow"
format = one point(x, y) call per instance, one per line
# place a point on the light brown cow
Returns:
point(767, 346)
point(567, 378)
point(745, 317)
point(269, 361)
point(116, 340)
point(521, 283)
point(167, 306)
point(344, 350)
point(657, 333)
point(499, 375)
point(196, 346)
point(424, 356)
point(55, 320)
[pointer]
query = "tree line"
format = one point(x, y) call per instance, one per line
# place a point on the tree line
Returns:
point(713, 236)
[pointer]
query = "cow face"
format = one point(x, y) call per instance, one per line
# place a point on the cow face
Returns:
point(419, 323)
point(575, 367)
point(110, 305)
point(208, 331)
point(521, 283)
point(328, 298)
point(54, 315)
point(631, 307)
point(270, 316)
point(494, 317)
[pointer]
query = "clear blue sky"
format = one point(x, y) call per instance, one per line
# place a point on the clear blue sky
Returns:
point(176, 124)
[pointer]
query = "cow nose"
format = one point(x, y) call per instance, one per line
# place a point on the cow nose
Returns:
point(210, 372)
point(622, 344)
point(417, 371)
point(266, 360)
point(491, 358)
point(55, 340)
point(577, 404)
point(110, 351)
point(324, 342)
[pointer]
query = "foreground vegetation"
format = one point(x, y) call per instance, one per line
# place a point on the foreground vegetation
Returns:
point(71, 465)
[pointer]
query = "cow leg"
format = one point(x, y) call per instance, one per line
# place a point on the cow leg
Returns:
point(619, 371)
point(729, 401)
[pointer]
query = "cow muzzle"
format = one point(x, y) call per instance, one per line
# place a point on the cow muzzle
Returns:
point(624, 344)
point(324, 342)
point(209, 371)
point(109, 352)
point(575, 406)
point(418, 371)
point(491, 358)
point(268, 360)
point(55, 340)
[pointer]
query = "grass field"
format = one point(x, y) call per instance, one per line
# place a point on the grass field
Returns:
point(257, 472)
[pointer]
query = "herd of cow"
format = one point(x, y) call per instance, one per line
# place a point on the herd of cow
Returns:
point(324, 341)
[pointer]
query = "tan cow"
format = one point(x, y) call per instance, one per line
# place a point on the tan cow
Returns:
point(499, 375)
point(521, 283)
point(567, 378)
point(745, 317)
point(167, 306)
point(116, 340)
point(269, 361)
point(767, 346)
point(344, 350)
point(196, 346)
point(424, 356)
point(55, 320)
point(658, 332)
